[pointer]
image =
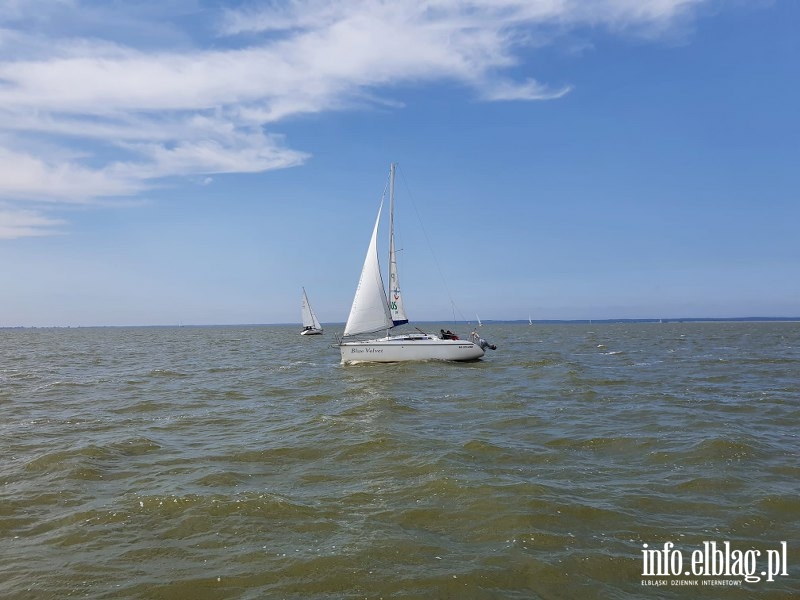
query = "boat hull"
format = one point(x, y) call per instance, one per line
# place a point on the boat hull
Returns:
point(311, 332)
point(406, 348)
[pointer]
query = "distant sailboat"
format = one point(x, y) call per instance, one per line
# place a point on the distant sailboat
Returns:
point(372, 311)
point(529, 320)
point(311, 326)
point(479, 320)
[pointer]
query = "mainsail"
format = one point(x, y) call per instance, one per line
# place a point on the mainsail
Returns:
point(370, 309)
point(395, 296)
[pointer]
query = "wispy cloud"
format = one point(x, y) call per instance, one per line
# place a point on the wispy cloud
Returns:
point(97, 104)
point(17, 223)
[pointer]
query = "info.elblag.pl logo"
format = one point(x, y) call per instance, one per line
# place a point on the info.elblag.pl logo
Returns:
point(711, 562)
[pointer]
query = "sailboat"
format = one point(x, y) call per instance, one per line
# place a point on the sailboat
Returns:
point(479, 320)
point(529, 320)
point(311, 325)
point(372, 311)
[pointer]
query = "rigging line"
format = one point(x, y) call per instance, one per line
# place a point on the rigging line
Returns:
point(428, 241)
point(463, 318)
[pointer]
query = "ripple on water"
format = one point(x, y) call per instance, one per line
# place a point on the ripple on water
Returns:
point(202, 463)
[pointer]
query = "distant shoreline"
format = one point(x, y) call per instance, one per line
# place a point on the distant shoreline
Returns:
point(471, 323)
point(664, 320)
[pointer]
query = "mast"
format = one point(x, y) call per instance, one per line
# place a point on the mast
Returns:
point(395, 296)
point(304, 312)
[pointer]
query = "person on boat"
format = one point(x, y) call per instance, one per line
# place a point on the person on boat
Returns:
point(448, 335)
point(482, 342)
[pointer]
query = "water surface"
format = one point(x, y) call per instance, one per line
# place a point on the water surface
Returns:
point(246, 462)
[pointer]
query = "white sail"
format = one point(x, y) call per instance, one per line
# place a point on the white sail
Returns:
point(307, 313)
point(370, 309)
point(395, 296)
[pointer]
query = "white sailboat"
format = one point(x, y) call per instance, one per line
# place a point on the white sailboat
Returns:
point(479, 320)
point(372, 311)
point(311, 325)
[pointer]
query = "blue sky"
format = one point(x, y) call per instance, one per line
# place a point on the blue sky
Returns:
point(197, 162)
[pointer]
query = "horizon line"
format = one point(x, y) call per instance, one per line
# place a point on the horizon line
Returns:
point(463, 322)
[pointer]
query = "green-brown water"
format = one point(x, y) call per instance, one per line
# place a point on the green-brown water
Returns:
point(246, 462)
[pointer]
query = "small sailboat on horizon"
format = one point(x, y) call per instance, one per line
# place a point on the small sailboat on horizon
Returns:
point(311, 325)
point(373, 311)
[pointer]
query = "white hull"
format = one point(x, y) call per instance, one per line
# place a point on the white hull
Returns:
point(413, 347)
point(311, 332)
